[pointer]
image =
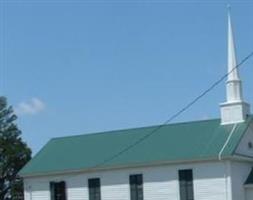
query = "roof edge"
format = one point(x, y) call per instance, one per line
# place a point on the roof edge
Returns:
point(135, 128)
point(161, 163)
point(36, 155)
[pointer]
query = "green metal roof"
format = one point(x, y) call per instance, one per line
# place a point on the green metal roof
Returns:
point(249, 180)
point(188, 141)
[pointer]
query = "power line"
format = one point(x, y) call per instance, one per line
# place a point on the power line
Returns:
point(174, 116)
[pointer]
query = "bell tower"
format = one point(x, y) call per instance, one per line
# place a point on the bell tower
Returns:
point(234, 110)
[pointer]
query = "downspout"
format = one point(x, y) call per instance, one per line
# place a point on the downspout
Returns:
point(227, 141)
point(226, 164)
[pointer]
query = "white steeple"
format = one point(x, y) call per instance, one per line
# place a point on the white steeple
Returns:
point(234, 110)
point(234, 90)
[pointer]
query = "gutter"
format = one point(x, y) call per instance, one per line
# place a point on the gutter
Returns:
point(139, 165)
point(248, 186)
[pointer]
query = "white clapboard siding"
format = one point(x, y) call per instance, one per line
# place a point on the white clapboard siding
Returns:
point(114, 185)
point(160, 183)
point(243, 148)
point(249, 193)
point(210, 181)
point(37, 189)
point(76, 187)
point(239, 173)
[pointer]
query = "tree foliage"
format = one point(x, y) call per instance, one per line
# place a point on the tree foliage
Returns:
point(14, 154)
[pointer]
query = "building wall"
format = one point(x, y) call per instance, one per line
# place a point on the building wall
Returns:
point(243, 148)
point(249, 193)
point(211, 182)
point(241, 170)
point(239, 173)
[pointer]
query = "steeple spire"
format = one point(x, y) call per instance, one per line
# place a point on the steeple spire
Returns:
point(234, 75)
point(234, 89)
point(234, 110)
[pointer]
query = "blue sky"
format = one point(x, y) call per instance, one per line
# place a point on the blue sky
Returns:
point(76, 67)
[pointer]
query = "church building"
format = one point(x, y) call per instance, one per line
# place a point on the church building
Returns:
point(198, 160)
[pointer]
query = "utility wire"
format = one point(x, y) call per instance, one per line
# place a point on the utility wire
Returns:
point(174, 116)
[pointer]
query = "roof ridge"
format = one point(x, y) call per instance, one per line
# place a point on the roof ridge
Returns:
point(135, 128)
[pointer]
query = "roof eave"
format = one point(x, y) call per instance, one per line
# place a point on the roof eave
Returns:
point(248, 185)
point(160, 163)
point(136, 165)
point(238, 157)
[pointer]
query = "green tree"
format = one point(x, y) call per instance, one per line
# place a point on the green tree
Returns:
point(14, 154)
